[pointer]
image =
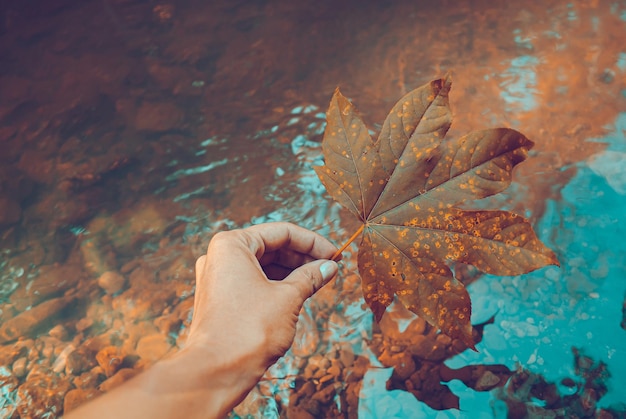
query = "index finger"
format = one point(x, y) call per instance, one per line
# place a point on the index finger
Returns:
point(270, 237)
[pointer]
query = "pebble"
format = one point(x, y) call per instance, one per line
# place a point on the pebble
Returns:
point(326, 394)
point(79, 361)
point(41, 393)
point(27, 322)
point(110, 359)
point(111, 282)
point(487, 381)
point(19, 367)
point(83, 324)
point(89, 379)
point(307, 389)
point(334, 369)
point(10, 211)
point(403, 365)
point(152, 348)
point(298, 412)
point(168, 323)
point(51, 281)
point(59, 332)
point(61, 359)
point(346, 356)
point(158, 116)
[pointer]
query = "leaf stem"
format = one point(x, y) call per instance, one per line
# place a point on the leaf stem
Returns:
point(346, 244)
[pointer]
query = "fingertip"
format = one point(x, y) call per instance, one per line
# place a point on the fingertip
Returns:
point(311, 277)
point(328, 270)
point(200, 264)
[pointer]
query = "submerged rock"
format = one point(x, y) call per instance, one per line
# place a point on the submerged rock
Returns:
point(52, 281)
point(79, 361)
point(158, 116)
point(111, 282)
point(42, 394)
point(10, 211)
point(110, 359)
point(152, 348)
point(33, 320)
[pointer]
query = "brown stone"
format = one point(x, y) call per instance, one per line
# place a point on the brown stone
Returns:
point(403, 365)
point(307, 389)
point(334, 369)
point(297, 412)
point(29, 322)
point(386, 358)
point(38, 166)
point(72, 211)
point(352, 399)
point(346, 356)
point(121, 376)
point(59, 332)
point(79, 361)
point(168, 323)
point(61, 353)
point(326, 378)
point(19, 367)
point(110, 359)
point(183, 311)
point(47, 352)
point(41, 393)
point(143, 303)
point(111, 282)
point(90, 379)
point(98, 256)
point(134, 332)
point(15, 184)
point(52, 281)
point(96, 343)
point(152, 348)
point(83, 324)
point(10, 353)
point(360, 367)
point(325, 395)
point(7, 311)
point(10, 211)
point(158, 116)
point(487, 381)
point(78, 396)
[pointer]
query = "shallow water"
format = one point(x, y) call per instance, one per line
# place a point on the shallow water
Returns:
point(132, 131)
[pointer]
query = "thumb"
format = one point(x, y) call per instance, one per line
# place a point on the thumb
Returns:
point(312, 276)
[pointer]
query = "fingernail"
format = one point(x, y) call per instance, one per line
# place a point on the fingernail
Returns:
point(328, 269)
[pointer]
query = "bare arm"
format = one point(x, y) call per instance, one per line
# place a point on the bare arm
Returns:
point(250, 287)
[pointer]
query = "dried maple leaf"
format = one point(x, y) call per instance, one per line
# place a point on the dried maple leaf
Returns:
point(404, 188)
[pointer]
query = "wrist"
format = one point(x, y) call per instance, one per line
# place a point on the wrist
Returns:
point(217, 380)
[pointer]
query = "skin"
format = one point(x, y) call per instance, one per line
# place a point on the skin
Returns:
point(250, 287)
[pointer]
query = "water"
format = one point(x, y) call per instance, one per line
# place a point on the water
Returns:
point(132, 131)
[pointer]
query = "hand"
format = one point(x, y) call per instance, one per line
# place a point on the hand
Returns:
point(250, 287)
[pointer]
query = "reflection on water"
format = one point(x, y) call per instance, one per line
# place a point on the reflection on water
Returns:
point(132, 131)
point(519, 87)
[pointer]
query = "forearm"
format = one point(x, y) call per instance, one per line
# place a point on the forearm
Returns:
point(189, 384)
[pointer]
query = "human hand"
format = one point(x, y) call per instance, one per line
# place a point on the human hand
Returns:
point(250, 287)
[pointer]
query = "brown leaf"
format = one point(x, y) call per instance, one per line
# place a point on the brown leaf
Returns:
point(404, 188)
